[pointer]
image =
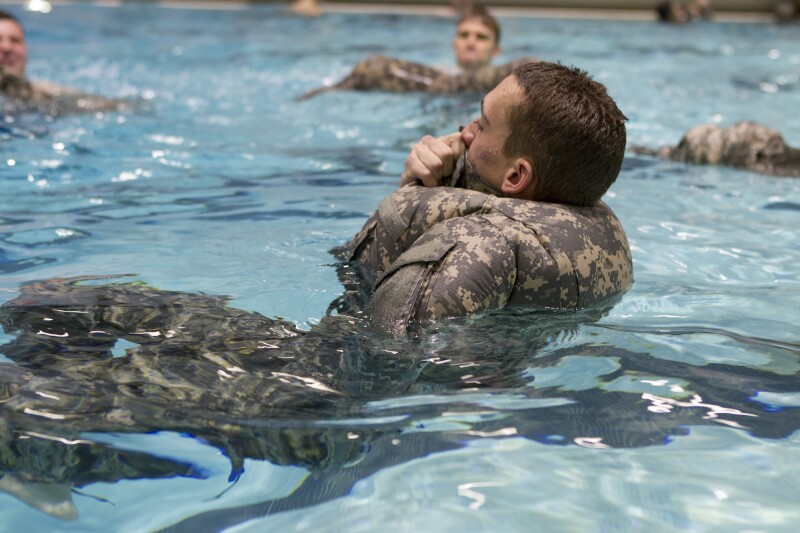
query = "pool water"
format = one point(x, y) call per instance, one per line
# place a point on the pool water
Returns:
point(678, 410)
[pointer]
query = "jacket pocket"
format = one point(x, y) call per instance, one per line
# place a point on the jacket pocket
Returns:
point(431, 249)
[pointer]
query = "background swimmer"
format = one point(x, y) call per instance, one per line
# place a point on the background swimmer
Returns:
point(475, 45)
point(477, 39)
point(47, 97)
point(308, 8)
point(744, 145)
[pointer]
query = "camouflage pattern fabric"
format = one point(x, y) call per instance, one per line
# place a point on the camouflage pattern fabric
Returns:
point(14, 86)
point(18, 94)
point(380, 73)
point(194, 365)
point(252, 386)
point(744, 145)
point(256, 387)
point(446, 252)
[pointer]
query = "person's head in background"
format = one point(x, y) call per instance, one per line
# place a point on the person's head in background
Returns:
point(13, 50)
point(477, 39)
point(307, 8)
point(671, 11)
point(785, 11)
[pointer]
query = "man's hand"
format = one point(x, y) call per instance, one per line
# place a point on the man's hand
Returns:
point(432, 159)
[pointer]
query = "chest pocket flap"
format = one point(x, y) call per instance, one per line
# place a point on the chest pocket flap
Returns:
point(431, 248)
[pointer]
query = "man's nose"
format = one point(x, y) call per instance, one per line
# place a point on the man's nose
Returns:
point(468, 133)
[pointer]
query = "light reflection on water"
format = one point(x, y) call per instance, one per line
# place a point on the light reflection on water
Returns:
point(226, 185)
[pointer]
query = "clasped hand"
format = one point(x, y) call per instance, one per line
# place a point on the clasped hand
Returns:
point(432, 159)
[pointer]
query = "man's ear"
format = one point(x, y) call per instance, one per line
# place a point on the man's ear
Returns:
point(496, 51)
point(520, 180)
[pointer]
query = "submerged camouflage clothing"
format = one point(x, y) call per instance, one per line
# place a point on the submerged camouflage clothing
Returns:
point(17, 93)
point(447, 252)
point(379, 73)
point(14, 86)
point(744, 145)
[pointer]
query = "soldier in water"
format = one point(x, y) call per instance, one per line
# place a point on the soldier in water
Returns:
point(48, 97)
point(746, 145)
point(507, 212)
point(475, 45)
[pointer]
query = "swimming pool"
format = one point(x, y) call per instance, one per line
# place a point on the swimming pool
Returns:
point(678, 410)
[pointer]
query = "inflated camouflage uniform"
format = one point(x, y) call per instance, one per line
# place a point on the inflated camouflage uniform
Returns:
point(380, 73)
point(744, 145)
point(448, 251)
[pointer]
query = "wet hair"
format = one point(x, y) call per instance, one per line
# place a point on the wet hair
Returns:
point(5, 15)
point(482, 14)
point(570, 129)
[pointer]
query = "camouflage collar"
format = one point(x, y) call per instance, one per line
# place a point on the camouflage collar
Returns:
point(465, 177)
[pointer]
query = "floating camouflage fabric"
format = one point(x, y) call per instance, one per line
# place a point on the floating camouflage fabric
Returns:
point(19, 94)
point(63, 323)
point(182, 380)
point(446, 252)
point(380, 73)
point(196, 366)
point(744, 145)
point(14, 86)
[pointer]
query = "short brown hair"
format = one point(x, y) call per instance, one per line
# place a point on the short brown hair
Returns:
point(482, 14)
point(572, 131)
point(5, 15)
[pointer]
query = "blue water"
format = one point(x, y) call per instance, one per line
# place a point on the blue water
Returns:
point(678, 411)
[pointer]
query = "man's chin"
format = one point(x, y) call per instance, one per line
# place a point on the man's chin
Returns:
point(470, 64)
point(10, 69)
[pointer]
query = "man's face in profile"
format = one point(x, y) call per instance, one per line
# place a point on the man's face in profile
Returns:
point(13, 50)
point(486, 136)
point(474, 45)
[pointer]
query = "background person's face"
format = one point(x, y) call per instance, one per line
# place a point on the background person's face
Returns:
point(13, 50)
point(474, 44)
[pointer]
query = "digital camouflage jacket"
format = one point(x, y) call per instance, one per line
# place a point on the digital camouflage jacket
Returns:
point(443, 252)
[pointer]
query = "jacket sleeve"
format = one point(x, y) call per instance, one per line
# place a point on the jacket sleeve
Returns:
point(459, 267)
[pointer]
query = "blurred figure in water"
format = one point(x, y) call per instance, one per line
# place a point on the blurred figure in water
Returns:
point(678, 12)
point(308, 8)
point(785, 12)
point(477, 39)
point(475, 44)
point(46, 96)
point(746, 145)
point(699, 10)
point(13, 49)
point(14, 59)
